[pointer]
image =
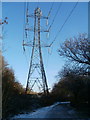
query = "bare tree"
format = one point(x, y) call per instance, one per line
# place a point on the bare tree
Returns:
point(76, 49)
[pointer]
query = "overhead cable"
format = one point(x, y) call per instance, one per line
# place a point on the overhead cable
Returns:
point(55, 15)
point(50, 9)
point(64, 23)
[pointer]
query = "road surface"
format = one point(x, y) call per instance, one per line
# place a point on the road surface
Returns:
point(58, 110)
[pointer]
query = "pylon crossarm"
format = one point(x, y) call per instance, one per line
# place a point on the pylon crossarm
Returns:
point(31, 29)
point(31, 45)
point(41, 17)
point(25, 44)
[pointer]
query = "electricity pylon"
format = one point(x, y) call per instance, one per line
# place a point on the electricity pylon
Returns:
point(36, 73)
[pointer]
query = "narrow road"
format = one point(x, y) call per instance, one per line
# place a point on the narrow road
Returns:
point(58, 110)
point(62, 111)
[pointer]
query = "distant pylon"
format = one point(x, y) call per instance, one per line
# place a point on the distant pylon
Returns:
point(36, 73)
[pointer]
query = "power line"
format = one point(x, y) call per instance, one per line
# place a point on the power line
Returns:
point(52, 22)
point(55, 15)
point(64, 23)
point(50, 9)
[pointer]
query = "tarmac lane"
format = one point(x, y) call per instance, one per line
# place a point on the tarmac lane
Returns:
point(62, 111)
point(59, 110)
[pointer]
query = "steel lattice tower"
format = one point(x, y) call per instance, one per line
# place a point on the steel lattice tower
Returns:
point(36, 62)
